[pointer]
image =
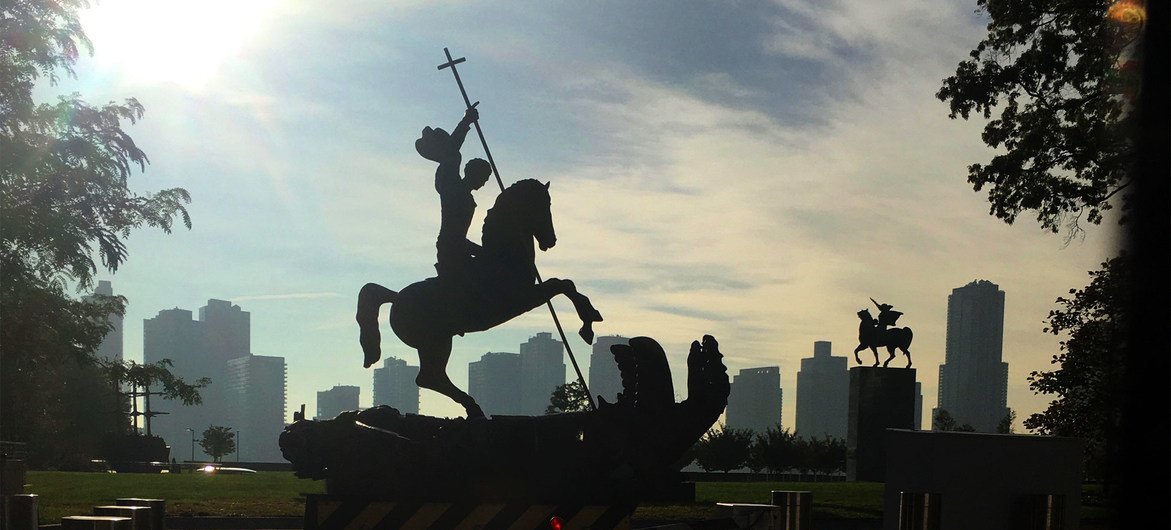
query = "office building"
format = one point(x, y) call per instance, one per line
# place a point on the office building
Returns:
point(394, 386)
point(823, 394)
point(492, 382)
point(256, 384)
point(112, 344)
point(542, 370)
point(973, 380)
point(755, 399)
point(604, 378)
point(339, 399)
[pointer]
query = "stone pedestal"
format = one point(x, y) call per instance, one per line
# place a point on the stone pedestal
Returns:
point(880, 399)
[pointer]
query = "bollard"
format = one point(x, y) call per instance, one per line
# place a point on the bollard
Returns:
point(919, 511)
point(21, 513)
point(95, 522)
point(140, 518)
point(158, 509)
point(796, 509)
point(1038, 512)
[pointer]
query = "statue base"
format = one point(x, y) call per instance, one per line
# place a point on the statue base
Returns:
point(880, 399)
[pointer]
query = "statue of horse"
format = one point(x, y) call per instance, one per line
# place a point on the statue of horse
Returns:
point(872, 334)
point(500, 284)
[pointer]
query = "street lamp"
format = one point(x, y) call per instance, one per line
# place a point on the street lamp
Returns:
point(192, 431)
point(237, 445)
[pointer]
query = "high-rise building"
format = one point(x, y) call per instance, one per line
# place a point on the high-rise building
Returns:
point(542, 370)
point(339, 399)
point(918, 406)
point(206, 348)
point(605, 380)
point(973, 380)
point(256, 384)
point(394, 385)
point(755, 399)
point(112, 344)
point(823, 394)
point(492, 381)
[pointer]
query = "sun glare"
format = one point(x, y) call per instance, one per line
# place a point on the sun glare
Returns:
point(183, 42)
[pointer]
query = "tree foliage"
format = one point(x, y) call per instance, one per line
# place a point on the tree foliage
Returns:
point(218, 441)
point(776, 449)
point(1051, 72)
point(570, 397)
point(64, 197)
point(723, 450)
point(1088, 381)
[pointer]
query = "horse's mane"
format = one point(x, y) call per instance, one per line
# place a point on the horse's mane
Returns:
point(511, 203)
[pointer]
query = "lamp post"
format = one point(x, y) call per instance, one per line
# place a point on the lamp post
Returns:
point(237, 445)
point(192, 431)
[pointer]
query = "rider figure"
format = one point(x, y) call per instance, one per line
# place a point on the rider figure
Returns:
point(453, 249)
point(887, 316)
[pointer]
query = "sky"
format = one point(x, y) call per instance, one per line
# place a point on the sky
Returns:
point(756, 171)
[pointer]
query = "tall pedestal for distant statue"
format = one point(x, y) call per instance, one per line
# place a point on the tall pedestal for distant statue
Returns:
point(880, 399)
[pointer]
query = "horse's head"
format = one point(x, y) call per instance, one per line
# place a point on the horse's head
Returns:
point(524, 206)
point(864, 315)
point(534, 196)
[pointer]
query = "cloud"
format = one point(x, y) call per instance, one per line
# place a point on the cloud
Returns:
point(282, 296)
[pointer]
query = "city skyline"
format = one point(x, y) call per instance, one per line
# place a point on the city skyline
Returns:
point(758, 177)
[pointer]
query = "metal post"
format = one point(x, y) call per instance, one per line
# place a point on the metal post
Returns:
point(192, 431)
point(919, 511)
point(796, 509)
point(22, 511)
point(484, 143)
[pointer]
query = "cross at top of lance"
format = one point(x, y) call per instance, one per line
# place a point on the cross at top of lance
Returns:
point(468, 102)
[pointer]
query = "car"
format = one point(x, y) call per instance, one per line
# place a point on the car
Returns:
point(221, 470)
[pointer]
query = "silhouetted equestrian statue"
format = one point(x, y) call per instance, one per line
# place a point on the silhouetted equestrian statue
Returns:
point(874, 333)
point(476, 287)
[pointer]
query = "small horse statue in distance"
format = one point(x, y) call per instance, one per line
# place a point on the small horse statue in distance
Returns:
point(501, 285)
point(872, 334)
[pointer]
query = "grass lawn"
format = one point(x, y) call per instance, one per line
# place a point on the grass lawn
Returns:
point(260, 494)
point(280, 494)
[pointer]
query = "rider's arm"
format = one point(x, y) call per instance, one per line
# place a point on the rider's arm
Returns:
point(461, 130)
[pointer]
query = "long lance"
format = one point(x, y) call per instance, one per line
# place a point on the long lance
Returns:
point(479, 132)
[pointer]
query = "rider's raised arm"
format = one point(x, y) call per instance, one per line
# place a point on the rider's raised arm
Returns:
point(461, 130)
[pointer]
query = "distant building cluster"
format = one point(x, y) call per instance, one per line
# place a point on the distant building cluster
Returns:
point(247, 392)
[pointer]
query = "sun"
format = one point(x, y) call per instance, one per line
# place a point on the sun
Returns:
point(181, 42)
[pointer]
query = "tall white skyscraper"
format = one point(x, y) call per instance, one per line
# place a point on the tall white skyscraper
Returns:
point(973, 380)
point(112, 343)
point(823, 394)
point(542, 369)
point(394, 386)
point(604, 378)
point(256, 384)
point(755, 399)
point(492, 381)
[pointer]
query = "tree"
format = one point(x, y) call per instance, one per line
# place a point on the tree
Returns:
point(218, 441)
point(777, 449)
point(1065, 136)
point(64, 196)
point(570, 397)
point(723, 450)
point(1088, 381)
point(1063, 77)
point(943, 421)
point(1005, 425)
point(829, 454)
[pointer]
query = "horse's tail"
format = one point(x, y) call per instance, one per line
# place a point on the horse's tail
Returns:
point(910, 335)
point(370, 298)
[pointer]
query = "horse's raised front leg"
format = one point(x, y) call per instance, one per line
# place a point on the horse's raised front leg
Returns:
point(433, 375)
point(370, 298)
point(581, 303)
point(856, 350)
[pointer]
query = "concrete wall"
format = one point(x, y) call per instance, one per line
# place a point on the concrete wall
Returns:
point(980, 476)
